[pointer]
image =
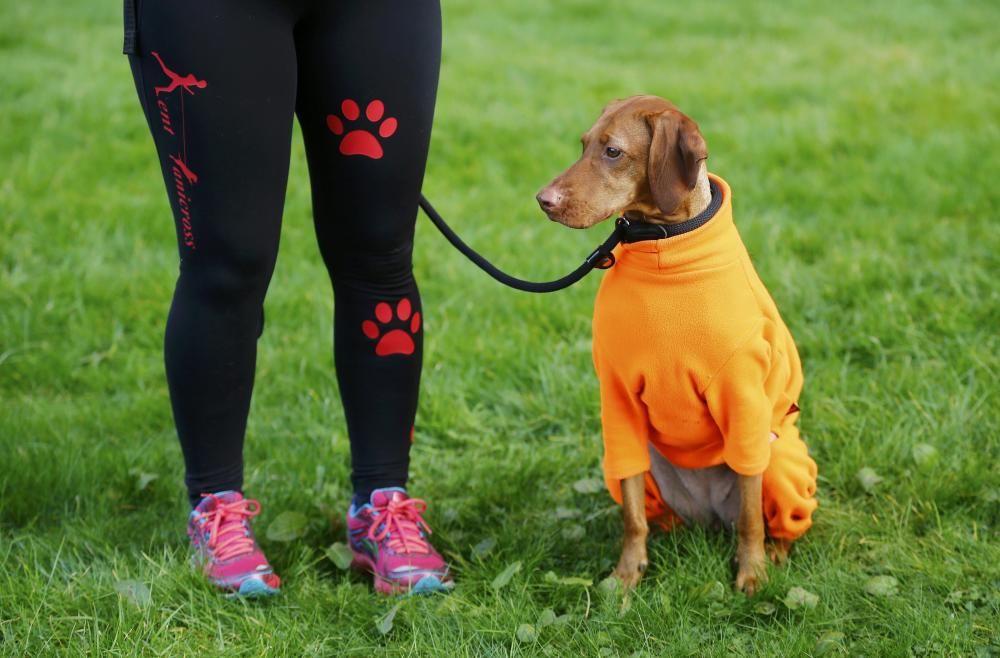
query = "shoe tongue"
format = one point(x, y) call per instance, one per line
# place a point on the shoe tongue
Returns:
point(382, 497)
point(209, 503)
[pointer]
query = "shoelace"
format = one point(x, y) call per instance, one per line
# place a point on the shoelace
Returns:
point(401, 521)
point(228, 535)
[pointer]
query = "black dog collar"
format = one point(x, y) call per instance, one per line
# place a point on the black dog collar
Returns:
point(638, 231)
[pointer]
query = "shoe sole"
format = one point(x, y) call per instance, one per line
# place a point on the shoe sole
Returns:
point(427, 585)
point(254, 588)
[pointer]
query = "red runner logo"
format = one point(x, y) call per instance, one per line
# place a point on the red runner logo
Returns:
point(185, 82)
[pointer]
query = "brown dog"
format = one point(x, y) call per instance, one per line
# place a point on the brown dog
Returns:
point(644, 159)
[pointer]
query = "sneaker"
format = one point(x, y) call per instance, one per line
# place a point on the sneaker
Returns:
point(225, 548)
point(389, 539)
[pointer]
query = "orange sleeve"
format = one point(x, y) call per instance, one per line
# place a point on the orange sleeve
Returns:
point(625, 424)
point(738, 402)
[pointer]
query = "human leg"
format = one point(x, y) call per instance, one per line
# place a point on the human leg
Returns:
point(368, 78)
point(218, 89)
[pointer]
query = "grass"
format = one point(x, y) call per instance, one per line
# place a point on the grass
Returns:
point(861, 139)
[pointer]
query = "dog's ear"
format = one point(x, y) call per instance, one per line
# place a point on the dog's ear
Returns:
point(676, 150)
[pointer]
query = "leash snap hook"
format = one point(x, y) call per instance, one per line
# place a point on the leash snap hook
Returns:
point(606, 262)
point(603, 258)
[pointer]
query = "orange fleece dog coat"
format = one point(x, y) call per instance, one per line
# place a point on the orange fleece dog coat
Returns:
point(694, 360)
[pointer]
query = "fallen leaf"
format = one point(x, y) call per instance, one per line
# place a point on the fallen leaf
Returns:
point(142, 479)
point(588, 485)
point(573, 532)
point(713, 591)
point(340, 554)
point(484, 547)
point(563, 513)
point(827, 642)
point(547, 618)
point(551, 577)
point(562, 620)
point(868, 478)
point(765, 608)
point(925, 455)
point(384, 625)
point(287, 526)
point(882, 586)
point(800, 598)
point(610, 586)
point(576, 581)
point(504, 577)
point(135, 592)
point(526, 633)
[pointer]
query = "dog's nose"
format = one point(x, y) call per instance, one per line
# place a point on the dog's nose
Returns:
point(549, 198)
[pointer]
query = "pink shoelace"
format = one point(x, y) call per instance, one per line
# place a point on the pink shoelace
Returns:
point(401, 521)
point(228, 535)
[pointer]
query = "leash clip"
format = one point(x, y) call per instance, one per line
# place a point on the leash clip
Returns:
point(606, 263)
point(622, 226)
point(602, 258)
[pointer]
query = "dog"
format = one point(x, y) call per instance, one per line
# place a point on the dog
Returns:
point(699, 375)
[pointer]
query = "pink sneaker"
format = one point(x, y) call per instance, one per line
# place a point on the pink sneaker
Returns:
point(389, 539)
point(225, 547)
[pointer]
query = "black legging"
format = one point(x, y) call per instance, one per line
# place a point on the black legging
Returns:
point(219, 83)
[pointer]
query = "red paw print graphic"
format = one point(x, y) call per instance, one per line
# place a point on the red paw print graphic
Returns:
point(394, 341)
point(361, 141)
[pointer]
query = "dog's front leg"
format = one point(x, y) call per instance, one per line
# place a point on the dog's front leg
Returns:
point(752, 570)
point(633, 561)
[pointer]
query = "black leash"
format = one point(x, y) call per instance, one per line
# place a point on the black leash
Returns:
point(600, 258)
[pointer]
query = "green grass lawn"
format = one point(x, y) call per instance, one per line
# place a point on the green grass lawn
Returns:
point(861, 141)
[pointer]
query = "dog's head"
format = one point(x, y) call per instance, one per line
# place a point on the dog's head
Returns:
point(642, 155)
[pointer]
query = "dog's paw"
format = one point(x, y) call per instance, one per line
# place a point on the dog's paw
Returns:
point(751, 575)
point(631, 566)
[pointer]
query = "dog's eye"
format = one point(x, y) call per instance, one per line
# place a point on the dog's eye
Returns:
point(613, 153)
